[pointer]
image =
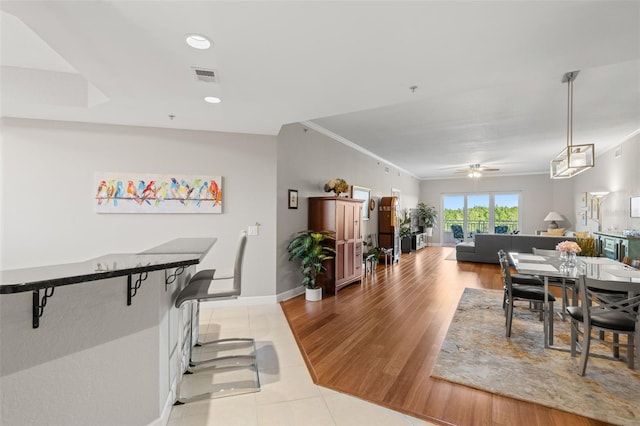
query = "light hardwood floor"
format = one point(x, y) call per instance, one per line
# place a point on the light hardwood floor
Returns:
point(379, 340)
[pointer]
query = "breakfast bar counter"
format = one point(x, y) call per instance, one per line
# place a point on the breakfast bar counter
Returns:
point(95, 342)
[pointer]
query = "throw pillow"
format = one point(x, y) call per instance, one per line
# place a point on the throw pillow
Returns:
point(558, 232)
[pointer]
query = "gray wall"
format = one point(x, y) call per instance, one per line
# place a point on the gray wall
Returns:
point(48, 183)
point(618, 175)
point(538, 196)
point(306, 160)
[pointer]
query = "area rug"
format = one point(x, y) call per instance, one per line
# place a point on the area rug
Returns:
point(476, 353)
point(451, 256)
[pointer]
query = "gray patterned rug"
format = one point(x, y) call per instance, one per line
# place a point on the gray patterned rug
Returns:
point(476, 353)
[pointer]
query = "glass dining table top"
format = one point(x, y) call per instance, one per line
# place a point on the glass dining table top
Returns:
point(601, 268)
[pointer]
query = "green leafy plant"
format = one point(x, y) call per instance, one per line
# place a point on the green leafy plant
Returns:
point(371, 249)
point(310, 248)
point(405, 225)
point(428, 215)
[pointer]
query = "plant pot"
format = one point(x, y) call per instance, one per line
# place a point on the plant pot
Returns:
point(429, 232)
point(313, 294)
point(405, 245)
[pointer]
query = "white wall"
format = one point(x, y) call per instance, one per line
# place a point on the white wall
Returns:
point(620, 176)
point(47, 181)
point(308, 159)
point(538, 196)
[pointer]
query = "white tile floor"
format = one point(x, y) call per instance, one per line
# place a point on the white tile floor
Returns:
point(288, 395)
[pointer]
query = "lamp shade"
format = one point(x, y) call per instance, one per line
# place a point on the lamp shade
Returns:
point(553, 216)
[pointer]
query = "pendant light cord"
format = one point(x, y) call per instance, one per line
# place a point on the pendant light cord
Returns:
point(570, 111)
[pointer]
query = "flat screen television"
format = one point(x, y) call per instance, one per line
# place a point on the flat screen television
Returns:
point(635, 206)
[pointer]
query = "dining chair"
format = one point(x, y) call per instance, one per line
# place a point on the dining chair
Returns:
point(206, 286)
point(564, 283)
point(518, 278)
point(606, 306)
point(533, 294)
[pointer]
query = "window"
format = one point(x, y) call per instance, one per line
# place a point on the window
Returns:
point(480, 213)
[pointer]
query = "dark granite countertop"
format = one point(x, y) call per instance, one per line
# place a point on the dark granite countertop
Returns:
point(173, 254)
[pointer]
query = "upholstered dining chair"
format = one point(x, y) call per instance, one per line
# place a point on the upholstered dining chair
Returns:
point(529, 293)
point(526, 279)
point(206, 286)
point(606, 306)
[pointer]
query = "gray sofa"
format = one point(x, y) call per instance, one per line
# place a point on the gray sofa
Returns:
point(485, 247)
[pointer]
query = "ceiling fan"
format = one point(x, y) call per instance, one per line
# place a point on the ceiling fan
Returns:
point(476, 170)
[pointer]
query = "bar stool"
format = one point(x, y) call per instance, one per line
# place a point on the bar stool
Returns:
point(196, 291)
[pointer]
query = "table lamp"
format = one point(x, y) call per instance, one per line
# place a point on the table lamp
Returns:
point(553, 216)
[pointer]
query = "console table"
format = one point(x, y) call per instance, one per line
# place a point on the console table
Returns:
point(617, 246)
point(419, 241)
point(83, 341)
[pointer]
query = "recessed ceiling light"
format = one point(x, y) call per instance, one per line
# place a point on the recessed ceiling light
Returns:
point(212, 100)
point(198, 41)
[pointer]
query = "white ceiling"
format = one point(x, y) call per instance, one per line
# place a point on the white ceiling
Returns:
point(488, 74)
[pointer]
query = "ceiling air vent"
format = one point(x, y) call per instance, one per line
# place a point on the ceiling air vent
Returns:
point(208, 76)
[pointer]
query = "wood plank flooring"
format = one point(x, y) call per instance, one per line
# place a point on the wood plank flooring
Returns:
point(379, 340)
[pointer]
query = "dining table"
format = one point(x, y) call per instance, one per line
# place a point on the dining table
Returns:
point(546, 267)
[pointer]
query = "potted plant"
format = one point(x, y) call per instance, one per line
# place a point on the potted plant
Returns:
point(370, 248)
point(405, 233)
point(429, 216)
point(311, 248)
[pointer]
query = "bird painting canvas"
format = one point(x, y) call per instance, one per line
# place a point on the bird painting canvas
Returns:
point(117, 192)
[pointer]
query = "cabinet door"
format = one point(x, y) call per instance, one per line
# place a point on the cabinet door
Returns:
point(344, 242)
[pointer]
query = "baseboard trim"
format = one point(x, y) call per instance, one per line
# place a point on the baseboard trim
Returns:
point(290, 294)
point(240, 301)
point(255, 300)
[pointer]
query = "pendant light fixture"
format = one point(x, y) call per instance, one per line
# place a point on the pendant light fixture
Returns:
point(573, 159)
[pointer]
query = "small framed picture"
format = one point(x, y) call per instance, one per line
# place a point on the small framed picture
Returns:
point(594, 209)
point(584, 199)
point(293, 198)
point(582, 216)
point(364, 194)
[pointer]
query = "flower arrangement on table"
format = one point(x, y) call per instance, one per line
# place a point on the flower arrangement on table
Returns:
point(568, 247)
point(337, 185)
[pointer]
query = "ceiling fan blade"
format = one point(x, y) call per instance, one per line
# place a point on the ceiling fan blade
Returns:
point(486, 169)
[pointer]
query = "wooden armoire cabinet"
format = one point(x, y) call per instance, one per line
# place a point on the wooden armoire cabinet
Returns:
point(344, 217)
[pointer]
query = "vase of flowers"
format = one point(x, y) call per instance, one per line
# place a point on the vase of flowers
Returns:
point(568, 252)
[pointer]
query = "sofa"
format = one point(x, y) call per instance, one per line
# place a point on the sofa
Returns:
point(485, 247)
